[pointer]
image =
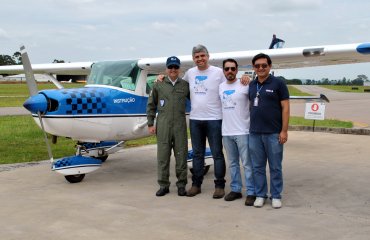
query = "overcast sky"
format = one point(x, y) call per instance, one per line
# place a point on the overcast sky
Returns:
point(89, 30)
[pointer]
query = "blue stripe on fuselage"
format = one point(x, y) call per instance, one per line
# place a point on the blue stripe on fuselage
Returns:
point(95, 101)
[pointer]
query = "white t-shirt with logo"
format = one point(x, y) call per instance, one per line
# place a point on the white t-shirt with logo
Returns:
point(204, 88)
point(235, 108)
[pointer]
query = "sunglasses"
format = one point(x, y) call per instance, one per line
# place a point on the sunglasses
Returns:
point(173, 67)
point(229, 68)
point(264, 65)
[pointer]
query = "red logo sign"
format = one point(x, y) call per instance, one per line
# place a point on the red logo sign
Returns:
point(315, 107)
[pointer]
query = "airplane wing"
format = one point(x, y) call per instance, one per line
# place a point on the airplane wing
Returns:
point(77, 68)
point(282, 58)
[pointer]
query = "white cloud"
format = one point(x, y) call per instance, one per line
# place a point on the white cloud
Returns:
point(3, 34)
point(294, 5)
point(165, 28)
point(113, 29)
point(90, 27)
point(212, 25)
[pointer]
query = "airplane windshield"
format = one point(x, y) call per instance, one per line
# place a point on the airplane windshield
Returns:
point(122, 74)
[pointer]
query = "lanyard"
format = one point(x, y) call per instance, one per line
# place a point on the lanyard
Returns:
point(258, 90)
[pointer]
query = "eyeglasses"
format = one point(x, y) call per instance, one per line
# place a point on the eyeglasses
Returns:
point(263, 65)
point(229, 68)
point(173, 67)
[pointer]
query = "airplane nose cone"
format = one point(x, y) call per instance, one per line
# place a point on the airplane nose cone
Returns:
point(36, 103)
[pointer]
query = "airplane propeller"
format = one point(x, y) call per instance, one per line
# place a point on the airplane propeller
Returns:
point(32, 87)
point(46, 138)
point(73, 168)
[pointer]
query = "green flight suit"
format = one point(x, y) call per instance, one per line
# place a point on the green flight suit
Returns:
point(169, 101)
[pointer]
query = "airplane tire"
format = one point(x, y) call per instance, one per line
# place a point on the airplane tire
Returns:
point(206, 169)
point(102, 158)
point(74, 178)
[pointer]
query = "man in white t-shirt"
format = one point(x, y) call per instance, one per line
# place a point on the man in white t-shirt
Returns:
point(235, 132)
point(205, 120)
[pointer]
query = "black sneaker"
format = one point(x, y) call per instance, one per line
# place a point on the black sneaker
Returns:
point(181, 191)
point(232, 196)
point(162, 191)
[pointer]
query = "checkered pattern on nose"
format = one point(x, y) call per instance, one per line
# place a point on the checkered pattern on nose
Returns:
point(82, 101)
point(63, 163)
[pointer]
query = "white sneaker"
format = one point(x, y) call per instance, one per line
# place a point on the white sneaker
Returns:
point(259, 202)
point(276, 203)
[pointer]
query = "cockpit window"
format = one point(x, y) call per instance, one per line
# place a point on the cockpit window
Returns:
point(150, 81)
point(122, 74)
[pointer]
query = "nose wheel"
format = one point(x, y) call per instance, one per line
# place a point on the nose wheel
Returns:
point(75, 178)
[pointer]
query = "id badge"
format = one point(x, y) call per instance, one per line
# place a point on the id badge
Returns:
point(161, 102)
point(255, 102)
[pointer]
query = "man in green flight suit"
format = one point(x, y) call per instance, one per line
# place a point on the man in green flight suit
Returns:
point(169, 100)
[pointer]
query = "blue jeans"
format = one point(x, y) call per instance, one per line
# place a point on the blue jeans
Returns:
point(237, 148)
point(199, 131)
point(263, 148)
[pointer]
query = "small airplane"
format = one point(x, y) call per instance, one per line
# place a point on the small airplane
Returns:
point(69, 81)
point(111, 108)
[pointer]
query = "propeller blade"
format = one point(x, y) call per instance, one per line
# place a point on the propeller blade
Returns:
point(32, 87)
point(31, 82)
point(46, 138)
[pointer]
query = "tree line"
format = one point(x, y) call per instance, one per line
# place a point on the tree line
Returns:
point(358, 81)
point(16, 59)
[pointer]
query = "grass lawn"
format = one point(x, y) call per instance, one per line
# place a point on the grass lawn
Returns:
point(15, 94)
point(358, 89)
point(301, 121)
point(293, 91)
point(22, 140)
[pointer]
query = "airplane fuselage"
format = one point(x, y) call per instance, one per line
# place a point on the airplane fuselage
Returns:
point(94, 113)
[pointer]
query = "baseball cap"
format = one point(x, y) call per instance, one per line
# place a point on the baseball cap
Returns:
point(173, 61)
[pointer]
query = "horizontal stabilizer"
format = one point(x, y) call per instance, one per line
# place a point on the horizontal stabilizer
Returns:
point(207, 154)
point(321, 98)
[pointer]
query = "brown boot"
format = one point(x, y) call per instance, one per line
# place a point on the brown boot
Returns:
point(219, 193)
point(194, 190)
point(249, 200)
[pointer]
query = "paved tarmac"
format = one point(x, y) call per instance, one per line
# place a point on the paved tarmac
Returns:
point(12, 111)
point(326, 196)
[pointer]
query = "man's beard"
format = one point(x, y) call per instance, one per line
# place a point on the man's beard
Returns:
point(231, 77)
